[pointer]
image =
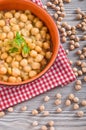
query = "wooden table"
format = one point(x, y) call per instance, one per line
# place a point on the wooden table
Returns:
point(67, 120)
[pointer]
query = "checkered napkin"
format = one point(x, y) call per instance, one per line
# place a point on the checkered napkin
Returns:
point(59, 74)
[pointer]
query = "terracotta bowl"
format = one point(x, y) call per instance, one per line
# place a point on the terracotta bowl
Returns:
point(46, 18)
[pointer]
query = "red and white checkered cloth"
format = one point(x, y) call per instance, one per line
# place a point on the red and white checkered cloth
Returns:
point(59, 74)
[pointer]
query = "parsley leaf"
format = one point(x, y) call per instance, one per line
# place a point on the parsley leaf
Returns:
point(12, 50)
point(25, 49)
point(19, 39)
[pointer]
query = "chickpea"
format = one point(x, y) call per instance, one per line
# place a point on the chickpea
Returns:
point(3, 36)
point(18, 79)
point(23, 62)
point(39, 43)
point(10, 35)
point(39, 58)
point(35, 65)
point(17, 15)
point(31, 45)
point(32, 73)
point(18, 57)
point(12, 79)
point(46, 45)
point(13, 21)
point(15, 72)
point(48, 54)
point(15, 28)
point(2, 23)
point(6, 29)
point(10, 109)
point(35, 123)
point(34, 112)
point(31, 17)
point(15, 64)
point(9, 70)
point(4, 55)
point(21, 24)
point(39, 24)
point(33, 53)
point(27, 68)
point(8, 15)
point(5, 78)
point(23, 17)
point(29, 26)
point(43, 34)
point(44, 62)
point(38, 49)
point(38, 37)
point(34, 31)
point(30, 60)
point(3, 70)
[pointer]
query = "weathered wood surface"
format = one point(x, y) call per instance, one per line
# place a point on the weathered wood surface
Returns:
point(66, 120)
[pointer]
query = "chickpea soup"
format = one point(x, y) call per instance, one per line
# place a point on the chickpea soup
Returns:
point(25, 46)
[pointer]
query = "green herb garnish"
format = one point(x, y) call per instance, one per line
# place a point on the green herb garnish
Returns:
point(19, 45)
point(19, 39)
point(12, 50)
point(25, 49)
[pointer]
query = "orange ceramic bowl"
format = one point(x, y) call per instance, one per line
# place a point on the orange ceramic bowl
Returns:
point(46, 18)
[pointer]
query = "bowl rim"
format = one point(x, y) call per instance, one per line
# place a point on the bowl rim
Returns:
point(48, 66)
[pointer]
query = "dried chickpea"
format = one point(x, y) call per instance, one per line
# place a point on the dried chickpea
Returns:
point(35, 123)
point(34, 112)
point(58, 95)
point(57, 102)
point(45, 113)
point(80, 113)
point(85, 78)
point(2, 114)
point(42, 108)
point(75, 106)
point(78, 82)
point(52, 128)
point(44, 127)
point(76, 99)
point(68, 102)
point(24, 108)
point(78, 87)
point(51, 123)
point(71, 96)
point(10, 109)
point(83, 102)
point(59, 110)
point(46, 98)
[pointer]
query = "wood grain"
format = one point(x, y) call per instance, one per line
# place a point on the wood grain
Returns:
point(67, 120)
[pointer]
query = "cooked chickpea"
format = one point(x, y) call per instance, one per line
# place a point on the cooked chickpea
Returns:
point(23, 62)
point(8, 15)
point(46, 45)
point(3, 70)
point(48, 54)
point(10, 35)
point(15, 64)
point(12, 79)
point(39, 58)
point(23, 17)
point(33, 53)
point(15, 72)
point(34, 31)
point(32, 73)
point(35, 65)
point(39, 24)
point(2, 23)
point(27, 68)
point(4, 55)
